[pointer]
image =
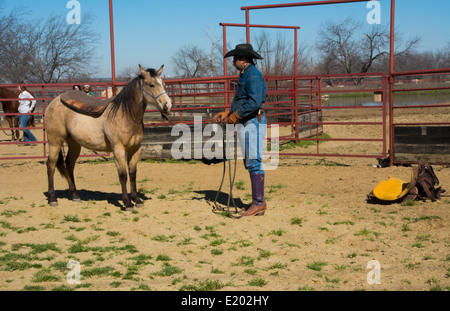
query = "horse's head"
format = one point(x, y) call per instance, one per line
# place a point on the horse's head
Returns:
point(154, 91)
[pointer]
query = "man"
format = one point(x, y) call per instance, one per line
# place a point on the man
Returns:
point(247, 113)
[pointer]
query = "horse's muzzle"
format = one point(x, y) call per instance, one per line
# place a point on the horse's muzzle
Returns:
point(167, 107)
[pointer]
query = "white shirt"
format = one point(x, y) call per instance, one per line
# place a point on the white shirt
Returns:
point(26, 105)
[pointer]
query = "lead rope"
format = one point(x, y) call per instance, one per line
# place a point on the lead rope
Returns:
point(219, 209)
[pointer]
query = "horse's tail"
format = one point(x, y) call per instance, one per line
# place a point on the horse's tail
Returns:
point(61, 166)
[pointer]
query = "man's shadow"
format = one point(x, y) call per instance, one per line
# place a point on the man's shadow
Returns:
point(113, 198)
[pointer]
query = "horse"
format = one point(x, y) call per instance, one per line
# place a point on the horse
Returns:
point(119, 129)
point(11, 107)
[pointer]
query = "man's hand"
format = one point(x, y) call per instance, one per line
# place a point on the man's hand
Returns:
point(233, 118)
point(220, 116)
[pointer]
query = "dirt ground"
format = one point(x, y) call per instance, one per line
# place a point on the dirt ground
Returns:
point(318, 233)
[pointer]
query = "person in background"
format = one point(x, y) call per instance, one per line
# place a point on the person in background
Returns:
point(87, 90)
point(247, 113)
point(76, 87)
point(26, 106)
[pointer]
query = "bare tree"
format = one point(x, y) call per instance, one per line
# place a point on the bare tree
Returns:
point(191, 62)
point(59, 49)
point(45, 50)
point(337, 42)
point(278, 54)
point(14, 55)
point(350, 48)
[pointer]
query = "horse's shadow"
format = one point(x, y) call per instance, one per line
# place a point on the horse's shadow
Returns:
point(222, 199)
point(113, 198)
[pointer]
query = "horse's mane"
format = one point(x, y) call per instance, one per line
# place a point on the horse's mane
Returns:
point(128, 98)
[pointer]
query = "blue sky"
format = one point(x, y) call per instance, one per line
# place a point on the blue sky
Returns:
point(150, 32)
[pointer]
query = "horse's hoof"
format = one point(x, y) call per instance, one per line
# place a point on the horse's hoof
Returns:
point(127, 209)
point(77, 200)
point(53, 204)
point(139, 205)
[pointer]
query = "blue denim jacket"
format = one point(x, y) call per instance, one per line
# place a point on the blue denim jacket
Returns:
point(250, 93)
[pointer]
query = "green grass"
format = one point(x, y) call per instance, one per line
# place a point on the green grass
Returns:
point(317, 265)
point(303, 143)
point(207, 285)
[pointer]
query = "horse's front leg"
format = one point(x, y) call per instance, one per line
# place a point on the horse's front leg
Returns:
point(121, 165)
point(133, 159)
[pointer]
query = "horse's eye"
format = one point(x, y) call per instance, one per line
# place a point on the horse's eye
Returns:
point(152, 85)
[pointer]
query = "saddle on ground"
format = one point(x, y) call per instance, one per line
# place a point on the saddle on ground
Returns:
point(422, 186)
point(82, 103)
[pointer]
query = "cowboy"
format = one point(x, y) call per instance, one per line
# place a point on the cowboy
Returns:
point(247, 113)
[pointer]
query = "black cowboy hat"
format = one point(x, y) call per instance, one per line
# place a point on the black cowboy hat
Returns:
point(244, 50)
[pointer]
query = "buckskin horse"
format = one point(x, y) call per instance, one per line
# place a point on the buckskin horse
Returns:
point(112, 125)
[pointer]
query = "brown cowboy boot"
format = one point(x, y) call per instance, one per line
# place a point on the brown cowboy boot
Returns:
point(259, 205)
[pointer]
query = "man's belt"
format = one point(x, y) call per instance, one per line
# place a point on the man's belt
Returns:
point(255, 114)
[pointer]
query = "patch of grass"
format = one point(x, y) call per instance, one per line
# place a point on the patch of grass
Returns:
point(264, 254)
point(44, 275)
point(246, 261)
point(216, 252)
point(168, 270)
point(98, 271)
point(257, 282)
point(274, 188)
point(363, 232)
point(163, 238)
point(277, 265)
point(217, 242)
point(297, 221)
point(347, 222)
point(317, 265)
point(207, 285)
point(9, 213)
point(278, 232)
point(240, 185)
point(141, 259)
point(69, 218)
point(163, 258)
point(36, 248)
point(422, 218)
point(302, 143)
point(409, 203)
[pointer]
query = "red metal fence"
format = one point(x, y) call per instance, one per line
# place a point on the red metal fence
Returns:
point(306, 108)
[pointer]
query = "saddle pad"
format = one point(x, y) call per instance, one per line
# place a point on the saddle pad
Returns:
point(84, 104)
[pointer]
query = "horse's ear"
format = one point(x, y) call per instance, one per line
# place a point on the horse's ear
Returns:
point(159, 72)
point(144, 72)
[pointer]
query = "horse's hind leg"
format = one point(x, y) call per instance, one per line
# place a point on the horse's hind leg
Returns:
point(16, 132)
point(72, 156)
point(54, 157)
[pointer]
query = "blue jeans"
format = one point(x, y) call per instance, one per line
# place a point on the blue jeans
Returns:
point(251, 139)
point(27, 135)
